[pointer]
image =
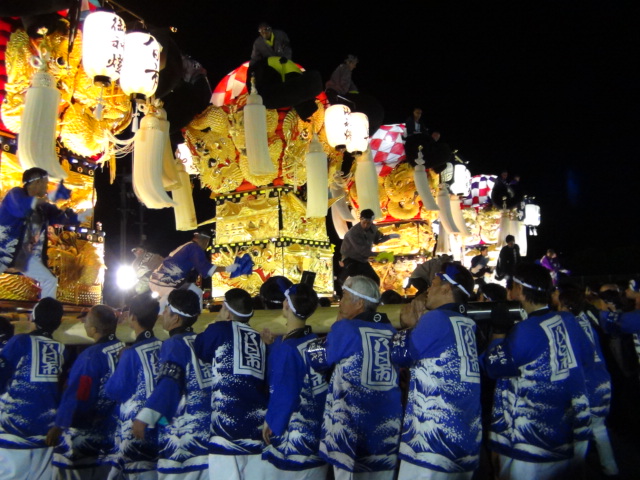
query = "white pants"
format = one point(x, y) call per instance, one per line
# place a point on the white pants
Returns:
point(26, 464)
point(41, 274)
point(197, 475)
point(603, 444)
point(271, 472)
point(236, 467)
point(117, 474)
point(511, 469)
point(341, 474)
point(95, 473)
point(410, 471)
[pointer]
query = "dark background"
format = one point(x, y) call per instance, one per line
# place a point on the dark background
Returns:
point(547, 90)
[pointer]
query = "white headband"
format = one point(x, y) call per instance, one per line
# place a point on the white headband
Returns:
point(454, 283)
point(179, 312)
point(361, 295)
point(538, 289)
point(235, 312)
point(35, 179)
point(293, 309)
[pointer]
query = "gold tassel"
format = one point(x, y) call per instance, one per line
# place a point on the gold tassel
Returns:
point(367, 184)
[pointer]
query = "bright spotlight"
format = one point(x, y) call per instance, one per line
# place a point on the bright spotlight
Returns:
point(126, 277)
point(155, 295)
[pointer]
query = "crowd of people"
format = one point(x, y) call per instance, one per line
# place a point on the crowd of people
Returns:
point(445, 397)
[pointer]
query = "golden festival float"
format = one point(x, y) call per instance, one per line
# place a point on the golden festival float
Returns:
point(277, 178)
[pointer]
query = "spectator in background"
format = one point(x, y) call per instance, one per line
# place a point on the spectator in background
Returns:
point(508, 259)
point(550, 262)
point(480, 265)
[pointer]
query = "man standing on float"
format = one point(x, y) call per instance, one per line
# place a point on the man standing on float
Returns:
point(356, 248)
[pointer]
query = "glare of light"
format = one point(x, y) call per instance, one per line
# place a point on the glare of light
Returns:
point(155, 294)
point(126, 277)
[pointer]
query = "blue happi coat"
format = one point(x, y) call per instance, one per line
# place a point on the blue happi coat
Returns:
point(86, 414)
point(239, 396)
point(363, 411)
point(442, 429)
point(183, 397)
point(541, 403)
point(297, 396)
point(15, 213)
point(597, 377)
point(30, 366)
point(180, 263)
point(131, 385)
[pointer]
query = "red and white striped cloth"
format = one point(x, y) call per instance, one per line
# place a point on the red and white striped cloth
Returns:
point(387, 147)
point(481, 186)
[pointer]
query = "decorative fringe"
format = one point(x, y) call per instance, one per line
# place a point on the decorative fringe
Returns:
point(521, 238)
point(255, 131)
point(442, 245)
point(317, 180)
point(367, 184)
point(170, 180)
point(458, 219)
point(148, 154)
point(446, 219)
point(37, 139)
point(421, 181)
point(184, 210)
point(340, 212)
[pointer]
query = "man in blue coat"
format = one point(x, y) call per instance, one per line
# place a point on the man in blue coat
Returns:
point(25, 215)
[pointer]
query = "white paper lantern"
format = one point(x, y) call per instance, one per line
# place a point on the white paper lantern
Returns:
point(531, 215)
point(358, 133)
point(103, 46)
point(461, 180)
point(317, 180)
point(141, 64)
point(336, 124)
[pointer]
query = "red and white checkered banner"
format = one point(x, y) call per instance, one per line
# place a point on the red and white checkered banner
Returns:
point(387, 147)
point(481, 186)
point(231, 86)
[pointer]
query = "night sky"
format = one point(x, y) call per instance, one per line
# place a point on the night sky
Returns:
point(547, 90)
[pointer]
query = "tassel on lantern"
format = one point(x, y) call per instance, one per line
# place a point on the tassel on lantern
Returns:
point(170, 180)
point(442, 245)
point(255, 131)
point(506, 228)
point(184, 210)
point(446, 219)
point(521, 237)
point(317, 180)
point(422, 184)
point(148, 154)
point(458, 219)
point(367, 184)
point(340, 212)
point(37, 139)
